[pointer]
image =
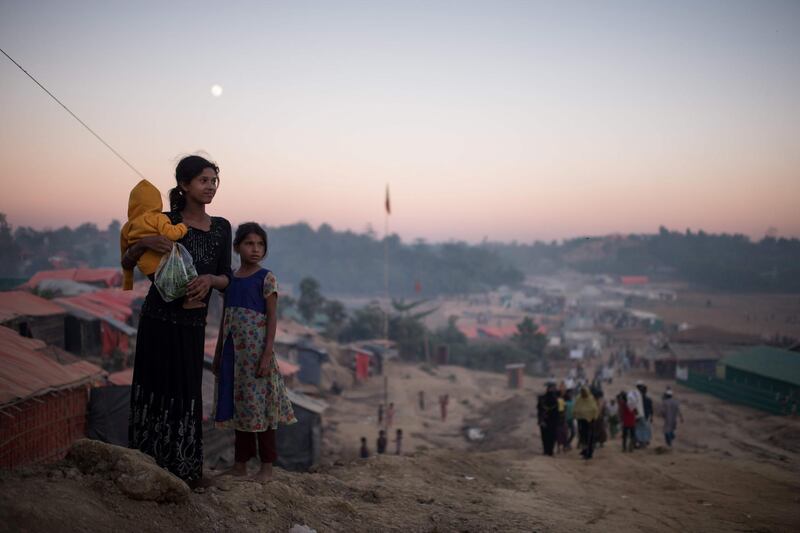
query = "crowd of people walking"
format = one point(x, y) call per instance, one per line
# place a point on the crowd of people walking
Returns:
point(574, 407)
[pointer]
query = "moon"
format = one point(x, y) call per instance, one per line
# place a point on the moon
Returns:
point(216, 90)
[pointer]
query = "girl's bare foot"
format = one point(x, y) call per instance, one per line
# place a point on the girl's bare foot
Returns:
point(264, 474)
point(238, 470)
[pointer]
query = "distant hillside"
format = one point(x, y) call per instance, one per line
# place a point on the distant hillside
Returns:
point(342, 261)
point(724, 262)
point(345, 262)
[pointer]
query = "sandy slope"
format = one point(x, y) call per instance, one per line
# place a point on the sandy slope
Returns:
point(733, 469)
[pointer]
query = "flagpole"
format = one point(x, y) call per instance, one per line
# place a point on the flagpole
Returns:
point(386, 265)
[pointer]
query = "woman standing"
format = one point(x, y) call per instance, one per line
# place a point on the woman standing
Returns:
point(586, 412)
point(600, 434)
point(166, 394)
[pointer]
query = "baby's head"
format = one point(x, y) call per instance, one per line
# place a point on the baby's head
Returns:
point(251, 243)
point(144, 198)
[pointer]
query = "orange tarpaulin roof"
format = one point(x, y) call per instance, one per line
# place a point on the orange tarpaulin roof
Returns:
point(286, 368)
point(498, 332)
point(493, 332)
point(634, 280)
point(23, 303)
point(25, 372)
point(111, 277)
point(470, 332)
point(123, 377)
point(115, 303)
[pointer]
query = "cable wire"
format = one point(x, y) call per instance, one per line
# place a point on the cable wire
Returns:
point(68, 110)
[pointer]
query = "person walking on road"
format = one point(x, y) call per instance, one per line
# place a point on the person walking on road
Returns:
point(670, 412)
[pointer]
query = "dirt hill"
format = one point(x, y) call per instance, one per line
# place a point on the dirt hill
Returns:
point(733, 469)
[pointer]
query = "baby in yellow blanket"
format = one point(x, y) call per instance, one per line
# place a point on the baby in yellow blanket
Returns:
point(145, 219)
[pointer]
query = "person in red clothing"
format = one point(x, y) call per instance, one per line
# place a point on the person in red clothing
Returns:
point(627, 414)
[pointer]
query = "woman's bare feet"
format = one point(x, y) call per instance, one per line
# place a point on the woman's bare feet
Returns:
point(238, 470)
point(264, 474)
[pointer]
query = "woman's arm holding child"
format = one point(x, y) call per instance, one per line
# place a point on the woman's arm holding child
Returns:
point(157, 243)
point(265, 364)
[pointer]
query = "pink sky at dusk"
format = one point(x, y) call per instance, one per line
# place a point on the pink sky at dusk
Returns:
point(504, 120)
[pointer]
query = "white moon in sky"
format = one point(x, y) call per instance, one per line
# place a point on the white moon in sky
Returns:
point(216, 90)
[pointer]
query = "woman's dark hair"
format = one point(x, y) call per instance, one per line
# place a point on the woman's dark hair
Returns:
point(188, 168)
point(246, 229)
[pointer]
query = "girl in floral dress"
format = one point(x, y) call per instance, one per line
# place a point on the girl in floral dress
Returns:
point(250, 395)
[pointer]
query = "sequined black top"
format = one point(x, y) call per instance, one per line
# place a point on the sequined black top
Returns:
point(211, 251)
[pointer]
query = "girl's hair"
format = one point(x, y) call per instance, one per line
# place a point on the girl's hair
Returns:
point(246, 229)
point(188, 168)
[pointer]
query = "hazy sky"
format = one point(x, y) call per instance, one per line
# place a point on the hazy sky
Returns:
point(507, 120)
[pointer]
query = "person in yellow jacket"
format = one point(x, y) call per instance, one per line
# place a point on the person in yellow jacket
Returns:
point(145, 219)
point(586, 411)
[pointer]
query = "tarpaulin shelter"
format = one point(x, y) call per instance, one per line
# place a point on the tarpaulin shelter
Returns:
point(515, 371)
point(300, 445)
point(100, 277)
point(362, 364)
point(32, 316)
point(107, 414)
point(42, 403)
point(442, 354)
point(310, 359)
point(497, 332)
point(63, 287)
point(109, 408)
point(634, 280)
point(100, 316)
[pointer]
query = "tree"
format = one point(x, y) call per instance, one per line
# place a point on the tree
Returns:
point(529, 338)
point(337, 316)
point(409, 334)
point(311, 299)
point(450, 334)
point(491, 355)
point(9, 251)
point(404, 309)
point(366, 323)
point(286, 303)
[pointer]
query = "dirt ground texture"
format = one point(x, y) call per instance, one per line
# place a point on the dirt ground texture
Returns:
point(732, 469)
point(766, 315)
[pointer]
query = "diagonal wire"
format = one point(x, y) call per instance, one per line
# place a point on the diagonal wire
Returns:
point(73, 115)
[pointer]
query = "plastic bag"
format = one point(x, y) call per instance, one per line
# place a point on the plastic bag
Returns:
point(174, 272)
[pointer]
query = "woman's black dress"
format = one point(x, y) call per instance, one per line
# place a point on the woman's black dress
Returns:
point(166, 394)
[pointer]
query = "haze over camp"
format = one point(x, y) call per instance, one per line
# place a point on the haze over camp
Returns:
point(347, 266)
point(512, 120)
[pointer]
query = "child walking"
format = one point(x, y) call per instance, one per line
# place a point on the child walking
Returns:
point(628, 416)
point(250, 395)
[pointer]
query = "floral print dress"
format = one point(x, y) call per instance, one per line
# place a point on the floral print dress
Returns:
point(243, 401)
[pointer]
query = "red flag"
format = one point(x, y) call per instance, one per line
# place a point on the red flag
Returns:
point(388, 204)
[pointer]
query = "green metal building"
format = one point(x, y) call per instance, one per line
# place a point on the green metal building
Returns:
point(766, 368)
